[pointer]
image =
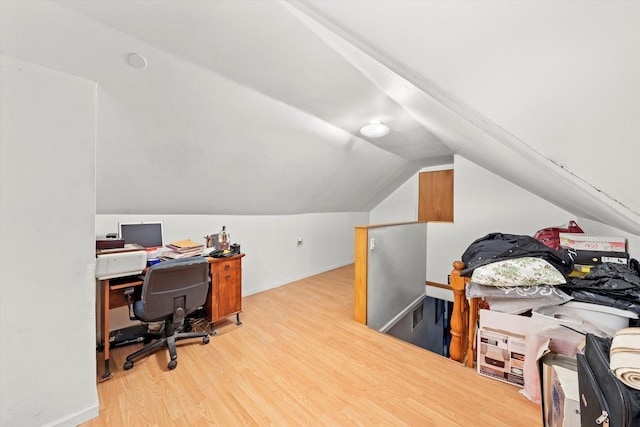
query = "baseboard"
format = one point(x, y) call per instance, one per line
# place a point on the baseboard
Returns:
point(73, 420)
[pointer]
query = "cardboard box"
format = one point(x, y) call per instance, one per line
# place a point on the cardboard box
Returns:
point(501, 346)
point(560, 391)
point(589, 242)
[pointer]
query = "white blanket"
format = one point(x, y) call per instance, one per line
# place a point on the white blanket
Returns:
point(625, 356)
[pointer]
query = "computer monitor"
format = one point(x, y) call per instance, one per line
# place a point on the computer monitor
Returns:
point(146, 234)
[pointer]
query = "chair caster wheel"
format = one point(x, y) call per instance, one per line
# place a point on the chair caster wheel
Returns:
point(128, 365)
point(172, 365)
point(205, 340)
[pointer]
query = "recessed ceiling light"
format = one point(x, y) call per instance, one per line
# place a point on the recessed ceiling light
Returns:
point(136, 60)
point(375, 129)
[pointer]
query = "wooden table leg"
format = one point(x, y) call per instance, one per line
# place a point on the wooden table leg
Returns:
point(105, 328)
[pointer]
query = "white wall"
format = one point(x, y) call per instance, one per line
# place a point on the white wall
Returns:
point(395, 272)
point(399, 206)
point(47, 205)
point(402, 204)
point(483, 203)
point(272, 256)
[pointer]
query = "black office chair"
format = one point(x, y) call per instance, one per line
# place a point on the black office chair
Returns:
point(171, 290)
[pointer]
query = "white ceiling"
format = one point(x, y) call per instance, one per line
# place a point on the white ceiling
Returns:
point(259, 44)
point(264, 99)
point(286, 132)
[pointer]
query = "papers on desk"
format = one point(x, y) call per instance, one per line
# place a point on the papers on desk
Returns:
point(180, 255)
point(184, 245)
point(183, 249)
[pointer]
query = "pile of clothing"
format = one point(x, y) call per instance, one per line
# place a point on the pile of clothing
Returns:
point(541, 276)
point(613, 285)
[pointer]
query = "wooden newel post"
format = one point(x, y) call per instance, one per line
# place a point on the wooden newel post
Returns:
point(458, 317)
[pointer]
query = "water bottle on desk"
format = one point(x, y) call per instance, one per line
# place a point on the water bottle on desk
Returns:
point(224, 238)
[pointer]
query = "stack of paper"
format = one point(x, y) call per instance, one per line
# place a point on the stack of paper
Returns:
point(183, 249)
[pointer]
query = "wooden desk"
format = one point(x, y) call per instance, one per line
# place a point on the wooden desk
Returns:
point(224, 298)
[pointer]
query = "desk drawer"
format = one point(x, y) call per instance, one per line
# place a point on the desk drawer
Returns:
point(227, 264)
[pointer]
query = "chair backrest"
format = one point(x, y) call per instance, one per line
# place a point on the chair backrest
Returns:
point(184, 282)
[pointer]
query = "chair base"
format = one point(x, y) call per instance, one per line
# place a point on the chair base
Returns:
point(170, 343)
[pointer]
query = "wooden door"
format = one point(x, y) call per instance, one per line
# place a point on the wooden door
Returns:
point(435, 196)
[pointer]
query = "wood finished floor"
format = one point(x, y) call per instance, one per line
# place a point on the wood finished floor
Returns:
point(300, 359)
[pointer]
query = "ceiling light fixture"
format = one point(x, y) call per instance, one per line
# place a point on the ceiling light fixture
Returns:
point(375, 129)
point(137, 61)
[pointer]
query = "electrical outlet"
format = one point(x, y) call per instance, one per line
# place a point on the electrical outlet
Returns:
point(372, 244)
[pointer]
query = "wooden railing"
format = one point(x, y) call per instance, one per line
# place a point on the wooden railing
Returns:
point(463, 319)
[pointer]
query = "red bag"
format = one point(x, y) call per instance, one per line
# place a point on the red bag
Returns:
point(551, 236)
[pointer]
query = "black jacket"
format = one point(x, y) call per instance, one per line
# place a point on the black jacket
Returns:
point(498, 246)
point(614, 285)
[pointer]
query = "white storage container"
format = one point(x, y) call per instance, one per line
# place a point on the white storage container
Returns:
point(585, 317)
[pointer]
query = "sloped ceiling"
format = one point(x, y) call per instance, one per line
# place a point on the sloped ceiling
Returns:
point(260, 102)
point(545, 94)
point(242, 102)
